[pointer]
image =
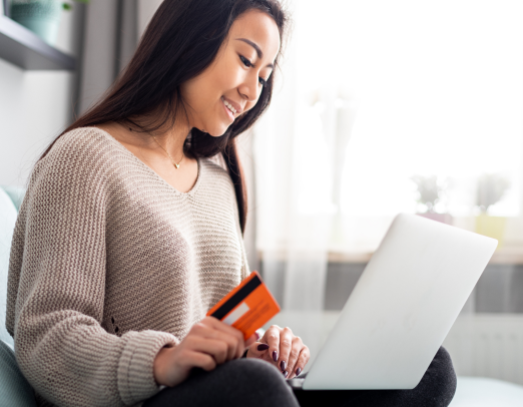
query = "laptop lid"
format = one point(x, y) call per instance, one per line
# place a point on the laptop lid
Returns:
point(402, 307)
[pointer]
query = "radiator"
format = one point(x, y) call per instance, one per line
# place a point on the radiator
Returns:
point(488, 345)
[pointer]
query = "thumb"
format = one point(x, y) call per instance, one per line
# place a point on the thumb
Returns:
point(252, 339)
point(258, 350)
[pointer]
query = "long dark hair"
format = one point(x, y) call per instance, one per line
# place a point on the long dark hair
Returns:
point(182, 40)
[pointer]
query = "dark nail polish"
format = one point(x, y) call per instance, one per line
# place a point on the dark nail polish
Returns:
point(285, 374)
point(257, 335)
point(274, 355)
point(298, 371)
point(283, 365)
point(263, 346)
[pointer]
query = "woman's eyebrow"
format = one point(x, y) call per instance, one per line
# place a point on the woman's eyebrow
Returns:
point(256, 47)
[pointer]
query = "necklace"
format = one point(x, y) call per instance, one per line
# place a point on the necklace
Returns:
point(176, 165)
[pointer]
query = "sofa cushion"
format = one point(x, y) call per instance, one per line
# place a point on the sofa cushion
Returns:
point(16, 194)
point(7, 223)
point(15, 391)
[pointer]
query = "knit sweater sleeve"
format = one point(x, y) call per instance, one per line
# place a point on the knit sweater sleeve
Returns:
point(56, 287)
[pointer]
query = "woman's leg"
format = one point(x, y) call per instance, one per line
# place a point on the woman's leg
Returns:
point(436, 389)
point(238, 383)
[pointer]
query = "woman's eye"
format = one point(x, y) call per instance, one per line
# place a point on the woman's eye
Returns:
point(246, 62)
point(263, 81)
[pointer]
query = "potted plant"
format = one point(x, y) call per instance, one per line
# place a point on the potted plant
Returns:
point(40, 16)
point(491, 188)
point(430, 189)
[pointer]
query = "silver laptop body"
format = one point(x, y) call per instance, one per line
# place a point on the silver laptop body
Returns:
point(402, 307)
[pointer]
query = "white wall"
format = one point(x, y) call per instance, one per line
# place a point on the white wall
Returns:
point(35, 106)
point(146, 10)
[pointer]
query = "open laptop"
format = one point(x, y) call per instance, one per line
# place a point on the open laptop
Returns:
point(402, 307)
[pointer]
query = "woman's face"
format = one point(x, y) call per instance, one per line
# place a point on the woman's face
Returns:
point(232, 84)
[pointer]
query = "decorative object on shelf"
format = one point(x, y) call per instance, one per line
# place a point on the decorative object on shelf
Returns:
point(40, 16)
point(430, 189)
point(491, 188)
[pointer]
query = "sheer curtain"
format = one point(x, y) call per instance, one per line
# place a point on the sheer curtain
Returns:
point(370, 95)
point(296, 162)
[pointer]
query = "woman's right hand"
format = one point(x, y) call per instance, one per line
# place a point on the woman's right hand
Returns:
point(209, 343)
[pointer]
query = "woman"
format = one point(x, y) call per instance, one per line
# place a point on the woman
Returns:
point(129, 233)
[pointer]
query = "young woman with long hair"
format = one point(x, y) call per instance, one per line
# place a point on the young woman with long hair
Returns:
point(129, 233)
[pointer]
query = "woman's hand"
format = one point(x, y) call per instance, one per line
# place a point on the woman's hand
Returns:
point(281, 348)
point(209, 343)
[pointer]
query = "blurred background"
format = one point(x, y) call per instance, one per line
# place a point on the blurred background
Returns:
point(380, 107)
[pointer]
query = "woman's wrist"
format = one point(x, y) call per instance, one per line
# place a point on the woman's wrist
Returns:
point(159, 364)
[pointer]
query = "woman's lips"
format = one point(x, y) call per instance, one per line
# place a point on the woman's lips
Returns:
point(228, 110)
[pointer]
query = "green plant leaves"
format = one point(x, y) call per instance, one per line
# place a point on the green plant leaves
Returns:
point(67, 6)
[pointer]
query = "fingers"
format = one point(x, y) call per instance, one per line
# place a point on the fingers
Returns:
point(213, 328)
point(272, 337)
point(190, 359)
point(222, 326)
point(294, 353)
point(286, 340)
point(233, 346)
point(286, 351)
point(252, 339)
point(209, 342)
point(302, 360)
point(172, 365)
point(217, 349)
point(259, 350)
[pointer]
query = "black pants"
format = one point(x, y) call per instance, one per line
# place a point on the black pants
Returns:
point(252, 382)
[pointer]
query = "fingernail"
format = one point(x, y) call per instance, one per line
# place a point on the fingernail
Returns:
point(274, 355)
point(285, 374)
point(257, 335)
point(263, 346)
point(298, 371)
point(283, 365)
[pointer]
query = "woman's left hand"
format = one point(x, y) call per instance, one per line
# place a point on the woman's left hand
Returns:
point(281, 348)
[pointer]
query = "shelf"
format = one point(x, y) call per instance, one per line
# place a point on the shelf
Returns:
point(25, 49)
point(505, 255)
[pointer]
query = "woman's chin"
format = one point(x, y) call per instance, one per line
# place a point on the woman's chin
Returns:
point(217, 131)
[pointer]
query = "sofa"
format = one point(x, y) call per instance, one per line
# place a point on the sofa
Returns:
point(15, 391)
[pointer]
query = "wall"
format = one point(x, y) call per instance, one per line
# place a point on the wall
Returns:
point(146, 10)
point(35, 106)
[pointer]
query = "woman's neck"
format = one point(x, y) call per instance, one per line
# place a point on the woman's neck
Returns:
point(172, 139)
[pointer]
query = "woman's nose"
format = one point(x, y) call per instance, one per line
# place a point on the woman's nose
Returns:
point(250, 88)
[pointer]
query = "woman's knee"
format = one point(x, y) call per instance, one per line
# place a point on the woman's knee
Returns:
point(440, 380)
point(254, 371)
point(259, 381)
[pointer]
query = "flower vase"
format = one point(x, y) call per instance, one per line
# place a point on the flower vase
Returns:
point(491, 226)
point(438, 217)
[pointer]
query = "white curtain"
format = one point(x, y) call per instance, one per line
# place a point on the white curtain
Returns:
point(370, 95)
point(296, 161)
point(111, 34)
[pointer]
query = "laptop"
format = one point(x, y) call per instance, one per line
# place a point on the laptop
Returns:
point(402, 308)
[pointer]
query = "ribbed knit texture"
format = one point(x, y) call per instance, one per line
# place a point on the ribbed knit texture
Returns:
point(109, 263)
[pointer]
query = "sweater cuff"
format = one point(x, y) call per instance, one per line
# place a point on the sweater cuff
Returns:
point(135, 368)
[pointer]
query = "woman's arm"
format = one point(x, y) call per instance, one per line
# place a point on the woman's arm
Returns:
point(56, 287)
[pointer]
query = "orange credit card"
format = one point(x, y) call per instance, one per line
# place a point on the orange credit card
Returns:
point(248, 307)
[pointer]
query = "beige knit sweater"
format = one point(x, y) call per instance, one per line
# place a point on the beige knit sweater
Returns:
point(109, 263)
